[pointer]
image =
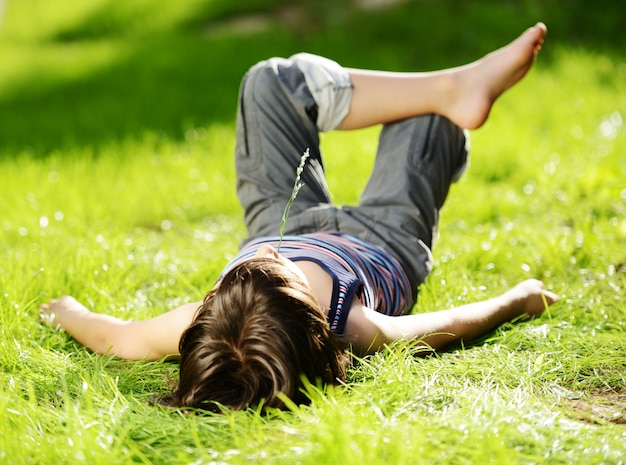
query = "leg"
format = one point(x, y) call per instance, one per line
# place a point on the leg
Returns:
point(417, 160)
point(283, 105)
point(464, 94)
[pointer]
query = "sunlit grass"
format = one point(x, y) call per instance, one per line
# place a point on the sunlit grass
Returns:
point(134, 212)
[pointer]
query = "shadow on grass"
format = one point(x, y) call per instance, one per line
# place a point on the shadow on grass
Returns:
point(188, 76)
point(165, 86)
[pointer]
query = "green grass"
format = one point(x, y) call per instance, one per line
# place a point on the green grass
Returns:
point(116, 174)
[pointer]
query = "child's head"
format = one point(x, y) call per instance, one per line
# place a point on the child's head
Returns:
point(257, 334)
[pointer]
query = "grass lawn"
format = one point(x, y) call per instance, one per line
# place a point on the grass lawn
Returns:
point(116, 181)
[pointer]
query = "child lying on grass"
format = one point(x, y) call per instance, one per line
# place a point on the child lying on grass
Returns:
point(342, 277)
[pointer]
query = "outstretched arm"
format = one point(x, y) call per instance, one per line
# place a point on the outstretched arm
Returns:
point(369, 331)
point(151, 339)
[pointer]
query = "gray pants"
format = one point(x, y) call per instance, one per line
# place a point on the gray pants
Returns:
point(283, 106)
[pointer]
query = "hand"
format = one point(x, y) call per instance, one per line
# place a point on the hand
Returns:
point(531, 298)
point(52, 313)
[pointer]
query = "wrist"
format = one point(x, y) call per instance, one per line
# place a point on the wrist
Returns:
point(510, 305)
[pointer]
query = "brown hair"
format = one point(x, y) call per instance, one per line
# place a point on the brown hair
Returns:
point(256, 335)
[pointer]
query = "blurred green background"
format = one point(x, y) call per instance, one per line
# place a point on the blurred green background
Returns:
point(83, 73)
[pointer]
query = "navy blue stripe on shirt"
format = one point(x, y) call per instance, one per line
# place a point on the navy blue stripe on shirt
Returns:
point(356, 268)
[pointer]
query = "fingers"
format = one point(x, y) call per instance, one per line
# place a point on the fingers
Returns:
point(47, 317)
point(551, 297)
point(538, 298)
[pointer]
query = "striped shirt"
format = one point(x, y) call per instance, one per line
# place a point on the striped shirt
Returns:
point(356, 268)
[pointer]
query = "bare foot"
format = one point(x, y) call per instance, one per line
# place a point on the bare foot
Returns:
point(478, 85)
